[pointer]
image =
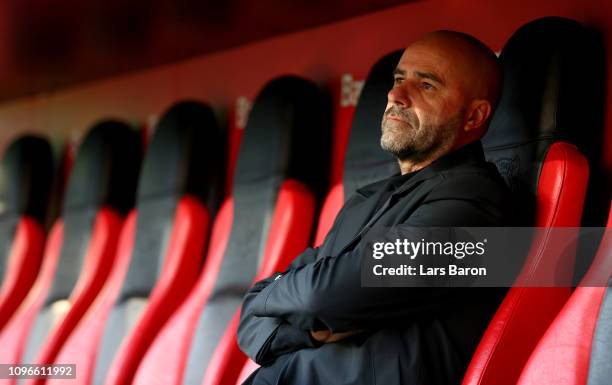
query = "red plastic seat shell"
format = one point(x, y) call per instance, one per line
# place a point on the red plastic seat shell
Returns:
point(23, 264)
point(15, 333)
point(157, 367)
point(178, 275)
point(526, 312)
point(289, 234)
point(96, 266)
point(81, 347)
point(562, 355)
point(332, 205)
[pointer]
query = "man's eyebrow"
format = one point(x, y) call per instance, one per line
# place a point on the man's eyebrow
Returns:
point(399, 71)
point(428, 75)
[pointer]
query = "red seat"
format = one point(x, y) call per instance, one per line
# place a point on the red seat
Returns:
point(160, 248)
point(526, 311)
point(81, 347)
point(244, 244)
point(80, 249)
point(26, 175)
point(548, 177)
point(361, 162)
point(563, 354)
point(23, 262)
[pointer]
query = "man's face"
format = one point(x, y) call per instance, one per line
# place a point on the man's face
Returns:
point(426, 106)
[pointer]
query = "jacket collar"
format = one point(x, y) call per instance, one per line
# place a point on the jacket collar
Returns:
point(469, 154)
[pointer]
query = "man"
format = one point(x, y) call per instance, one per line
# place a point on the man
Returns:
point(315, 323)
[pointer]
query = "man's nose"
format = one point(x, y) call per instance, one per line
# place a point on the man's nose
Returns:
point(399, 96)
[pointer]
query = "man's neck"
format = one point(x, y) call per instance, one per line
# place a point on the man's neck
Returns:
point(408, 166)
point(412, 165)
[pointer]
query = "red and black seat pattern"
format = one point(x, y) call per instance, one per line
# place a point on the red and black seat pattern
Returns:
point(26, 178)
point(530, 139)
point(81, 246)
point(364, 161)
point(268, 219)
point(162, 244)
point(576, 349)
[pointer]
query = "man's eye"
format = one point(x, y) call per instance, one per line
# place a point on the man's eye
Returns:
point(397, 80)
point(427, 86)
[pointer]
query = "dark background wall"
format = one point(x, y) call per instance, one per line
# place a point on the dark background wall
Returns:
point(60, 86)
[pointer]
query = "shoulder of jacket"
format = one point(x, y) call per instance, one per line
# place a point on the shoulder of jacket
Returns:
point(369, 189)
point(471, 181)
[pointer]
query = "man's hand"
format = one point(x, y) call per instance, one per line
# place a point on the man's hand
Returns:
point(326, 336)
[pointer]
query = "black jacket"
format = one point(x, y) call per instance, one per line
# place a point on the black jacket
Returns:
point(411, 335)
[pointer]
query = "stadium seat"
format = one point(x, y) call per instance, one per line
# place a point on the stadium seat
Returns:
point(26, 178)
point(161, 245)
point(266, 221)
point(80, 250)
point(345, 94)
point(363, 162)
point(237, 118)
point(530, 140)
point(576, 348)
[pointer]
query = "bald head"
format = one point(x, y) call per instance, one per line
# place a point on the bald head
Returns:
point(446, 86)
point(477, 62)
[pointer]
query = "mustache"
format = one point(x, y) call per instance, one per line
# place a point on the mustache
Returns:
point(404, 114)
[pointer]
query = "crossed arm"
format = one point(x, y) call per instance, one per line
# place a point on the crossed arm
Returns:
point(265, 338)
point(325, 296)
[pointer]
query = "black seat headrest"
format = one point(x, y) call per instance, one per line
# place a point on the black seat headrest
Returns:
point(185, 156)
point(365, 160)
point(104, 174)
point(286, 136)
point(106, 168)
point(544, 99)
point(26, 177)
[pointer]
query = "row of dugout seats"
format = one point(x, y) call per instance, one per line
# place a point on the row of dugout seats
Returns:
point(141, 278)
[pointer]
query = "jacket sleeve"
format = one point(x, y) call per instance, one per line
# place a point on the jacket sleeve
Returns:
point(263, 339)
point(328, 292)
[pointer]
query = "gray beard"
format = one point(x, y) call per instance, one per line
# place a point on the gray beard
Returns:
point(408, 144)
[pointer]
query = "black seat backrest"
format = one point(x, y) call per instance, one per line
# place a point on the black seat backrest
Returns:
point(103, 176)
point(286, 137)
point(365, 160)
point(26, 177)
point(185, 157)
point(545, 99)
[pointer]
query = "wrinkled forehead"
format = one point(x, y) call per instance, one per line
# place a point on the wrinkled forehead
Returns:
point(444, 58)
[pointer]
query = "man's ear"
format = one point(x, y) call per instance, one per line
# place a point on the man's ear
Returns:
point(478, 113)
